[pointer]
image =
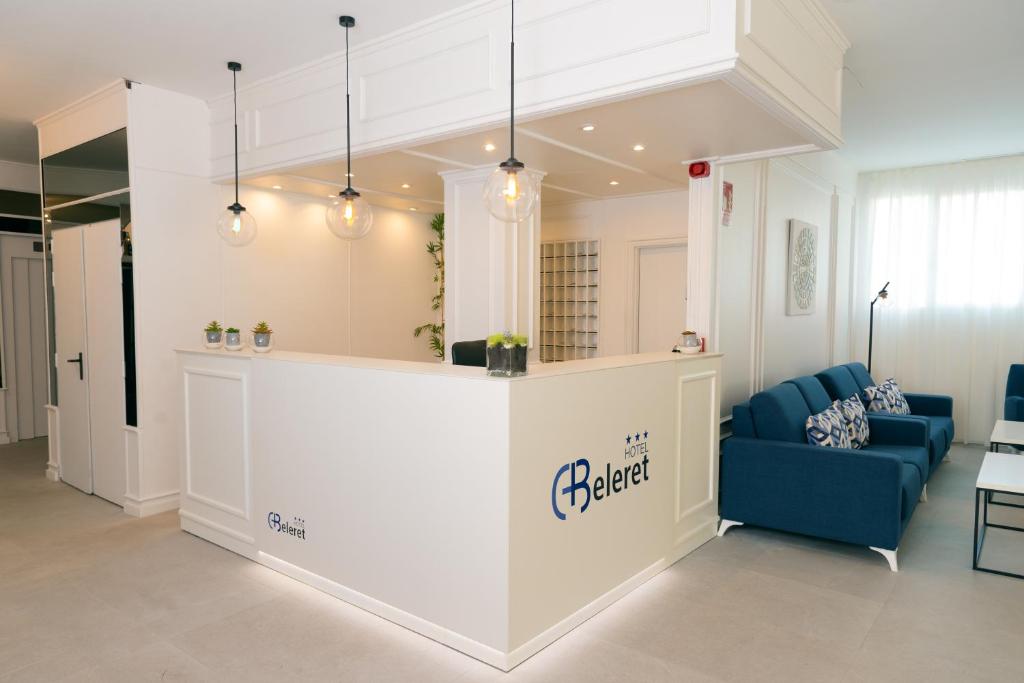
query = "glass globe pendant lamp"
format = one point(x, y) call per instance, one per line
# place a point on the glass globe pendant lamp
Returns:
point(350, 216)
point(510, 194)
point(236, 226)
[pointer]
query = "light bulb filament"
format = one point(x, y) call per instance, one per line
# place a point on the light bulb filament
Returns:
point(511, 191)
point(236, 224)
point(350, 212)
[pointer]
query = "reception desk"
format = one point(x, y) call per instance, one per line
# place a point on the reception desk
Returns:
point(490, 514)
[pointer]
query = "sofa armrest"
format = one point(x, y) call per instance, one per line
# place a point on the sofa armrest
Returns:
point(898, 430)
point(933, 405)
point(838, 493)
point(1014, 408)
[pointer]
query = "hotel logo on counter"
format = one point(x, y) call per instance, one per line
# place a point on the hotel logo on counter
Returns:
point(572, 486)
point(296, 527)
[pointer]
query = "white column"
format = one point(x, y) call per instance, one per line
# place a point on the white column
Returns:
point(492, 279)
point(705, 203)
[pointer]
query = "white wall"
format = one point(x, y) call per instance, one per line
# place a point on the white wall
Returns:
point(618, 224)
point(763, 345)
point(317, 297)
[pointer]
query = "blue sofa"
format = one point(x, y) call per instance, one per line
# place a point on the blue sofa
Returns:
point(843, 381)
point(771, 476)
point(1013, 409)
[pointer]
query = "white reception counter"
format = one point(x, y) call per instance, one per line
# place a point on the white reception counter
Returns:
point(492, 515)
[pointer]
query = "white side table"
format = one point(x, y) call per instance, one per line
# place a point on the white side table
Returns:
point(1000, 473)
point(1006, 433)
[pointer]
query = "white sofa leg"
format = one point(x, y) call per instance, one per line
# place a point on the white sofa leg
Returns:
point(924, 494)
point(889, 555)
point(725, 526)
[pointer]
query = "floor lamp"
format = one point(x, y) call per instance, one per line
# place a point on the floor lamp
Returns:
point(883, 293)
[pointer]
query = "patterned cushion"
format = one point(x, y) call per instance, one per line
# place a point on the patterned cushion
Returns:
point(828, 428)
point(875, 399)
point(856, 420)
point(897, 402)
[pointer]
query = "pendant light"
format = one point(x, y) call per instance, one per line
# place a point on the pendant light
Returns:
point(236, 226)
point(350, 218)
point(511, 194)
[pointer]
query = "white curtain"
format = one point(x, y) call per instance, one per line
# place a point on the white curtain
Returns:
point(950, 239)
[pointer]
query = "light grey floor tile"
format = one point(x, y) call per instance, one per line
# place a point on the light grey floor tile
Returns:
point(90, 594)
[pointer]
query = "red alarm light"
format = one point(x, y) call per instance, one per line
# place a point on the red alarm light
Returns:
point(700, 169)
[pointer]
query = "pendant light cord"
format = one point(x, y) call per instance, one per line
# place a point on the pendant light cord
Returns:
point(348, 117)
point(234, 89)
point(512, 89)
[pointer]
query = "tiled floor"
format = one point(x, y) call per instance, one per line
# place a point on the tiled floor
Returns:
point(87, 593)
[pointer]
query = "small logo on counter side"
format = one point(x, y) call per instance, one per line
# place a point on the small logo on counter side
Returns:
point(580, 489)
point(296, 527)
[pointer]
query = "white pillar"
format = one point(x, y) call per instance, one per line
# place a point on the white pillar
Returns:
point(702, 254)
point(492, 279)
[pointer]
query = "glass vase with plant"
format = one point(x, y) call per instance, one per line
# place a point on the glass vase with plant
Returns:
point(506, 354)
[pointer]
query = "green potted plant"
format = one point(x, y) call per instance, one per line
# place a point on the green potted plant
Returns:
point(214, 335)
point(506, 354)
point(261, 337)
point(232, 339)
point(436, 250)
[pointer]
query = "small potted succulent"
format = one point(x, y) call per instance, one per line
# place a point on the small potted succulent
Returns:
point(232, 339)
point(214, 335)
point(506, 355)
point(261, 337)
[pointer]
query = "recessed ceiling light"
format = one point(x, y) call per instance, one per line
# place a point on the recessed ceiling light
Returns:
point(330, 196)
point(587, 128)
point(489, 147)
point(277, 187)
point(614, 182)
point(413, 208)
point(406, 186)
point(638, 148)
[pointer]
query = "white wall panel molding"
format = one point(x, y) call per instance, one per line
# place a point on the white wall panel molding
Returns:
point(791, 61)
point(217, 405)
point(405, 90)
point(96, 114)
point(696, 481)
point(833, 284)
point(757, 280)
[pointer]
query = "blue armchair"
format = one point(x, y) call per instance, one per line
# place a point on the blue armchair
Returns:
point(843, 381)
point(771, 477)
point(1013, 409)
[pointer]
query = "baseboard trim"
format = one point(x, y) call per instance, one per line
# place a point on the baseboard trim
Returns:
point(151, 505)
point(218, 534)
point(477, 650)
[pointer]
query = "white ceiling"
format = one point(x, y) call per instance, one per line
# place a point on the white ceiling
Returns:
point(54, 52)
point(931, 81)
point(676, 126)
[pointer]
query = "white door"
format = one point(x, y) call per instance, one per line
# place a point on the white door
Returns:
point(69, 329)
point(105, 362)
point(29, 334)
point(90, 380)
point(661, 296)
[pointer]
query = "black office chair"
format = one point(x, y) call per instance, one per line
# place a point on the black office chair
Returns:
point(473, 353)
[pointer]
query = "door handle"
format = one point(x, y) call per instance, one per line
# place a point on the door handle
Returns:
point(81, 373)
